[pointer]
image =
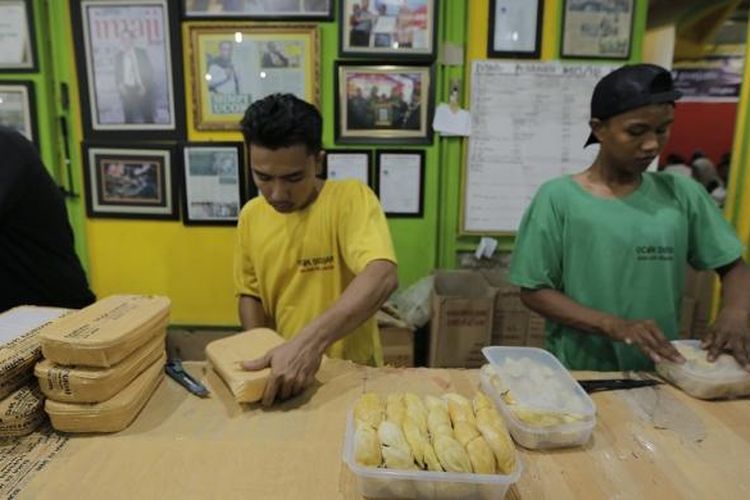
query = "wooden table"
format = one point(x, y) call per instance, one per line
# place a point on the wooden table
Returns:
point(652, 442)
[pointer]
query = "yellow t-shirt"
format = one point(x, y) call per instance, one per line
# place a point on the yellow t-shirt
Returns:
point(299, 264)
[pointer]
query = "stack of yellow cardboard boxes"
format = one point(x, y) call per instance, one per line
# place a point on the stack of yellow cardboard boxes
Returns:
point(102, 363)
point(21, 402)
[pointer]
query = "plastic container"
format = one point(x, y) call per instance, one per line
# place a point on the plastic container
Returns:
point(391, 483)
point(579, 409)
point(724, 378)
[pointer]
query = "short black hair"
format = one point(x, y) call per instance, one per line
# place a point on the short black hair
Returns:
point(281, 121)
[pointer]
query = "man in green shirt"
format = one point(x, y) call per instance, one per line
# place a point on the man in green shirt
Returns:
point(602, 254)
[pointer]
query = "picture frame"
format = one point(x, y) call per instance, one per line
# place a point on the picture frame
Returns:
point(18, 108)
point(129, 65)
point(17, 37)
point(383, 104)
point(213, 183)
point(287, 10)
point(515, 30)
point(387, 30)
point(130, 182)
point(348, 164)
point(233, 64)
point(400, 181)
point(597, 29)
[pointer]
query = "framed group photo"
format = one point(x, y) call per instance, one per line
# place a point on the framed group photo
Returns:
point(17, 50)
point(388, 30)
point(234, 64)
point(383, 104)
point(213, 181)
point(17, 108)
point(400, 182)
point(129, 64)
point(348, 164)
point(321, 10)
point(597, 29)
point(130, 183)
point(515, 29)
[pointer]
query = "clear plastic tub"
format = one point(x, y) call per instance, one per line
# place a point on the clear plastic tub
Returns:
point(568, 413)
point(391, 483)
point(724, 378)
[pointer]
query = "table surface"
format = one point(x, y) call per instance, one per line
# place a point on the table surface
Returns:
point(651, 442)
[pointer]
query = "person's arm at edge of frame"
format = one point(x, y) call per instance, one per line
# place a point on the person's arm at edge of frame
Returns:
point(251, 312)
point(301, 356)
point(730, 330)
point(645, 334)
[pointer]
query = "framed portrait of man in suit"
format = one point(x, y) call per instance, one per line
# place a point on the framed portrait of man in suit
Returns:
point(125, 57)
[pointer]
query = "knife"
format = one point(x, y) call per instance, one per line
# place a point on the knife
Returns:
point(615, 384)
point(175, 370)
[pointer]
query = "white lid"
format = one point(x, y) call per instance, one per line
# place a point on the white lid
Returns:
point(537, 380)
point(724, 370)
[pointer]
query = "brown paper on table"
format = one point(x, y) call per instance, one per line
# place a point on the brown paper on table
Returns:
point(72, 384)
point(112, 415)
point(22, 411)
point(106, 332)
point(226, 354)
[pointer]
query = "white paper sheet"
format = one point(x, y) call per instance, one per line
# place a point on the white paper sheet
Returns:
point(348, 166)
point(400, 183)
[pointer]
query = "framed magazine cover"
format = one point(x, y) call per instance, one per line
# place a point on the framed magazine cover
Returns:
point(213, 183)
point(287, 10)
point(597, 29)
point(128, 59)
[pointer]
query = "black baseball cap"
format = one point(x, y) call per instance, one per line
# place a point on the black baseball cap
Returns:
point(630, 87)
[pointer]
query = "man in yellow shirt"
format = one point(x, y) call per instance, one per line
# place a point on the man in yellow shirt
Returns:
point(314, 258)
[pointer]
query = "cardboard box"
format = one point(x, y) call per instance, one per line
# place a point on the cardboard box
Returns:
point(535, 330)
point(398, 346)
point(462, 315)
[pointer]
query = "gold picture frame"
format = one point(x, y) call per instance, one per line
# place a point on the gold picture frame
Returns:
point(233, 64)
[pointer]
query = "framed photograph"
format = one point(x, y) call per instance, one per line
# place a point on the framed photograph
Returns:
point(128, 60)
point(130, 183)
point(597, 29)
point(401, 182)
point(515, 28)
point(404, 29)
point(213, 177)
point(232, 65)
point(17, 108)
point(348, 164)
point(381, 104)
point(17, 50)
point(321, 10)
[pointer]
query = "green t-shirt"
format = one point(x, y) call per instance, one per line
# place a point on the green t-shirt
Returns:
point(624, 256)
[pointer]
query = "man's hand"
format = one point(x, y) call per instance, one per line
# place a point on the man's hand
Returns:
point(647, 336)
point(293, 367)
point(729, 332)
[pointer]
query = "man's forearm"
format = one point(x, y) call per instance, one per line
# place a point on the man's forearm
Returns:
point(562, 309)
point(252, 314)
point(735, 287)
point(360, 301)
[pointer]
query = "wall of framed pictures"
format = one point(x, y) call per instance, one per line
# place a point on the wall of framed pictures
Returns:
point(374, 72)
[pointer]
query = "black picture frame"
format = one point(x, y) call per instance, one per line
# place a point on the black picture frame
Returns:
point(387, 52)
point(31, 131)
point(342, 151)
point(379, 184)
point(186, 14)
point(185, 149)
point(131, 196)
point(567, 54)
point(345, 133)
point(96, 129)
point(515, 54)
point(33, 66)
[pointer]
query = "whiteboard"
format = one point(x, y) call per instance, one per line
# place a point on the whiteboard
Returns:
point(529, 122)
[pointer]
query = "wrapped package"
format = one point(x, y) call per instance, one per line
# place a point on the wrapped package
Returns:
point(226, 354)
point(112, 415)
point(22, 411)
point(74, 384)
point(106, 332)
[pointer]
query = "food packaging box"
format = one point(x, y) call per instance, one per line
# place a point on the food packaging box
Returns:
point(543, 406)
